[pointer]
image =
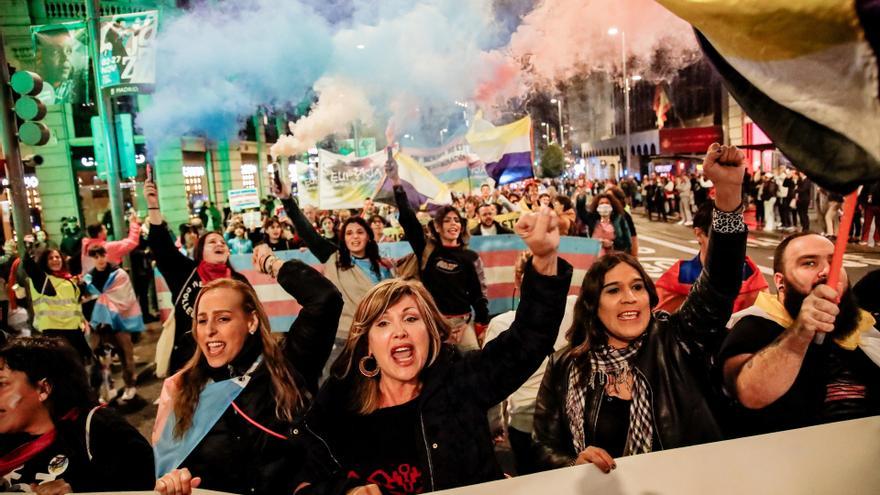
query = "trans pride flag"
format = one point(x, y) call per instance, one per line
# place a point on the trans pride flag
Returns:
point(505, 150)
point(497, 252)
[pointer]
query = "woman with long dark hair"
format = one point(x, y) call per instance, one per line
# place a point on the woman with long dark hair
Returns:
point(451, 272)
point(631, 381)
point(406, 411)
point(353, 264)
point(54, 438)
point(274, 235)
point(231, 419)
point(185, 276)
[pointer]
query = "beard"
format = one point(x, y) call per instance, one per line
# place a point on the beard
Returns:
point(847, 320)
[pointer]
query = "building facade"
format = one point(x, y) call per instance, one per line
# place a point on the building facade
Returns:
point(66, 184)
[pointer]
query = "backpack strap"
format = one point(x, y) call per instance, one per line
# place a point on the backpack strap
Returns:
point(89, 431)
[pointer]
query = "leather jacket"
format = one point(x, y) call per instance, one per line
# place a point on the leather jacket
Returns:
point(675, 360)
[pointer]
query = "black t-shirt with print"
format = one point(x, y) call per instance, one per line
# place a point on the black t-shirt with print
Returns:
point(385, 448)
point(833, 384)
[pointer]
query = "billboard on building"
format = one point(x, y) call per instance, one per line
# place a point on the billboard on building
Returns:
point(62, 60)
point(128, 52)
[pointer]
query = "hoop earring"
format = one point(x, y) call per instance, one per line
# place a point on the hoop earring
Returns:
point(362, 366)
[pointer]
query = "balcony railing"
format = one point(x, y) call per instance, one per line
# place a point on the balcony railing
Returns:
point(49, 11)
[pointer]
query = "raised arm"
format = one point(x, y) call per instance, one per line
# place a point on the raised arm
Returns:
point(167, 257)
point(36, 274)
point(704, 314)
point(122, 247)
point(506, 362)
point(318, 245)
point(308, 342)
point(413, 229)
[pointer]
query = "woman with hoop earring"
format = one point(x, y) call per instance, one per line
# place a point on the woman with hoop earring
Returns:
point(404, 412)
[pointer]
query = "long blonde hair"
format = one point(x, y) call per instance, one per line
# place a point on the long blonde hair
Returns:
point(288, 398)
point(365, 397)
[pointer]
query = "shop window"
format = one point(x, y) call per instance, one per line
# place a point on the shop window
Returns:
point(248, 175)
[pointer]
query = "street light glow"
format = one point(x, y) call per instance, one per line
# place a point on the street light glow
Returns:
point(637, 78)
point(553, 100)
point(613, 31)
point(361, 47)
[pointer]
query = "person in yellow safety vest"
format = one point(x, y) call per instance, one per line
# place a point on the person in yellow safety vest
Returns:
point(56, 298)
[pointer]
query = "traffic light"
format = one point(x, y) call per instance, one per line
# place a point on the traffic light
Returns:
point(30, 109)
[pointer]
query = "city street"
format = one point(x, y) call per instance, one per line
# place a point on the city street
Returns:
point(660, 246)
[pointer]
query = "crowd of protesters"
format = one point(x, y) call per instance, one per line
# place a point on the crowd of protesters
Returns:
point(388, 380)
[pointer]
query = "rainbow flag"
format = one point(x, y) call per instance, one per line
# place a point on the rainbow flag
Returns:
point(806, 72)
point(505, 150)
point(498, 253)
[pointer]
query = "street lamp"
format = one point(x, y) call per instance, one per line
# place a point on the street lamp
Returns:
point(613, 31)
point(442, 132)
point(558, 102)
point(546, 134)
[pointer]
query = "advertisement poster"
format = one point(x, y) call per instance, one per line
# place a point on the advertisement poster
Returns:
point(128, 52)
point(62, 60)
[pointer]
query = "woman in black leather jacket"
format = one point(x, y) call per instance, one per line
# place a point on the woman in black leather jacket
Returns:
point(633, 382)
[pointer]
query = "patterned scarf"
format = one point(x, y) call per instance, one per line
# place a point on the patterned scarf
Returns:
point(610, 365)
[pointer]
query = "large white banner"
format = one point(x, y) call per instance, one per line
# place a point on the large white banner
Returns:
point(307, 184)
point(833, 459)
point(346, 181)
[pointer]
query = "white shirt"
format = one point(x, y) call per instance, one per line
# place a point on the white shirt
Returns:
point(489, 231)
point(521, 404)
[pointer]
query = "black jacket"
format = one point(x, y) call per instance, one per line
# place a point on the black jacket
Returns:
point(237, 457)
point(184, 282)
point(675, 360)
point(458, 391)
point(122, 459)
point(453, 275)
point(498, 227)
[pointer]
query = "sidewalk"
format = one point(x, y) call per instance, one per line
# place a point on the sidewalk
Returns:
point(776, 235)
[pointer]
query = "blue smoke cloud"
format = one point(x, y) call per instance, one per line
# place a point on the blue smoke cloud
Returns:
point(218, 62)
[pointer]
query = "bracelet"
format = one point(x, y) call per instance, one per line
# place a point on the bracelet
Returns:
point(153, 208)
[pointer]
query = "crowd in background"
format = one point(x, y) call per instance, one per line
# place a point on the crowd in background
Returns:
point(385, 381)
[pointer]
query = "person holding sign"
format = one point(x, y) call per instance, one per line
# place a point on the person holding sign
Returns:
point(405, 410)
point(631, 381)
point(231, 420)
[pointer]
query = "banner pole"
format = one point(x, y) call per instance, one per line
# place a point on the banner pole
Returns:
point(849, 210)
point(105, 112)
